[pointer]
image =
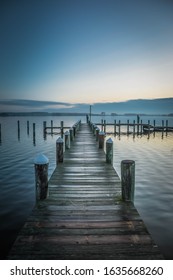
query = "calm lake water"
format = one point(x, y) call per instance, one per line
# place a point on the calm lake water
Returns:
point(154, 173)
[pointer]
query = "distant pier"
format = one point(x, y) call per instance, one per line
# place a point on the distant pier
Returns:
point(83, 215)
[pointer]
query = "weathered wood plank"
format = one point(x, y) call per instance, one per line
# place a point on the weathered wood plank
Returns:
point(83, 216)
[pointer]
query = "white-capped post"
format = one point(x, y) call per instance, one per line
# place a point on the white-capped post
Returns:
point(67, 140)
point(109, 151)
point(101, 139)
point(59, 150)
point(41, 163)
point(71, 134)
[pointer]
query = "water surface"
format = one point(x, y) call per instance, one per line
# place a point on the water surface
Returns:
point(153, 158)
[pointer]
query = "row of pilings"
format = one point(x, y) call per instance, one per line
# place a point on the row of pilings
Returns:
point(41, 162)
point(127, 166)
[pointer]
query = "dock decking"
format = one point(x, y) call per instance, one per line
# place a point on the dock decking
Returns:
point(84, 217)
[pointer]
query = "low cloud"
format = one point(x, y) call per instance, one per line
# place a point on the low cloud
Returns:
point(32, 105)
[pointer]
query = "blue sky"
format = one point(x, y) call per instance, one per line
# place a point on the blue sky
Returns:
point(86, 51)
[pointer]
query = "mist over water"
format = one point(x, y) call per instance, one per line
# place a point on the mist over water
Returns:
point(153, 159)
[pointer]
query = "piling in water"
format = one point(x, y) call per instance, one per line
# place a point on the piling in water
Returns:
point(109, 151)
point(101, 139)
point(71, 134)
point(128, 179)
point(59, 150)
point(41, 176)
point(67, 140)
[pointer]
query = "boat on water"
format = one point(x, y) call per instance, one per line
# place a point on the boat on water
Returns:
point(147, 128)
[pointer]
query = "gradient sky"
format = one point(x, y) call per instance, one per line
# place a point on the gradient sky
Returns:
point(86, 50)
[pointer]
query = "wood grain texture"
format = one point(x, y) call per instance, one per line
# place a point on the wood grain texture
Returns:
point(84, 217)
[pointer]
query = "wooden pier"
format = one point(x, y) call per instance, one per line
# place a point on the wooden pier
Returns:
point(84, 216)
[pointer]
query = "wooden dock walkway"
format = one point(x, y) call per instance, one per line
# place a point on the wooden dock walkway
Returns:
point(83, 217)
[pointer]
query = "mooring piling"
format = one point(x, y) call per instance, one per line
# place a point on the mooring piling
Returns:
point(41, 176)
point(59, 150)
point(67, 140)
point(109, 151)
point(101, 139)
point(128, 179)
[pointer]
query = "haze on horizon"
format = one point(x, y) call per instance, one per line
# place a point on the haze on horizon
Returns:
point(86, 51)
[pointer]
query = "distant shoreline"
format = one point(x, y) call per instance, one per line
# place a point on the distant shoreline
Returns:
point(12, 114)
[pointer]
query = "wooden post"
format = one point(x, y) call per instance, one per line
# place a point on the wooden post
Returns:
point(101, 139)
point(128, 179)
point(62, 129)
point(71, 134)
point(74, 130)
point(67, 140)
point(90, 113)
point(97, 133)
point(59, 150)
point(18, 130)
point(41, 176)
point(34, 134)
point(138, 120)
point(127, 126)
point(51, 126)
point(141, 127)
point(115, 127)
point(44, 130)
point(87, 118)
point(133, 128)
point(154, 124)
point(28, 127)
point(162, 125)
point(104, 126)
point(44, 126)
point(119, 127)
point(18, 125)
point(109, 151)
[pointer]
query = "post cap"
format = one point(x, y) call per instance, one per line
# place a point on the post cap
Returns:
point(101, 133)
point(128, 161)
point(59, 140)
point(109, 140)
point(67, 133)
point(41, 159)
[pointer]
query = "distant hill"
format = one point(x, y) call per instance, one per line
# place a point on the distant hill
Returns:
point(139, 106)
point(162, 106)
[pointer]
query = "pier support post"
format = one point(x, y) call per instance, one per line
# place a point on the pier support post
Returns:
point(34, 134)
point(67, 140)
point(59, 150)
point(127, 127)
point(27, 127)
point(41, 176)
point(71, 134)
point(101, 139)
point(51, 126)
point(62, 129)
point(115, 127)
point(128, 179)
point(109, 151)
point(97, 133)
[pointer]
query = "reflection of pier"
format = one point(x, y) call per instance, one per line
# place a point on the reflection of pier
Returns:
point(84, 216)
